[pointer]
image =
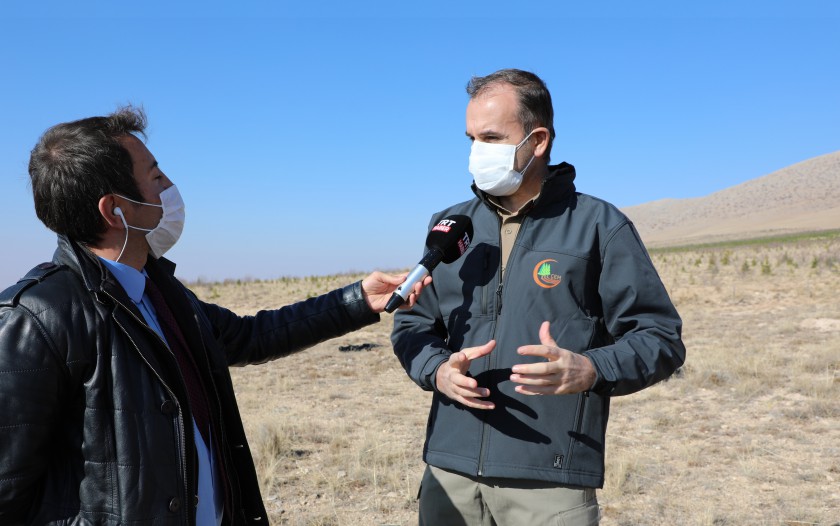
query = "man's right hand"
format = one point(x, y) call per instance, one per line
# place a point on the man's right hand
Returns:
point(451, 378)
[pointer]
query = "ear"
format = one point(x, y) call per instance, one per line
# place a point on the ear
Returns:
point(108, 209)
point(542, 137)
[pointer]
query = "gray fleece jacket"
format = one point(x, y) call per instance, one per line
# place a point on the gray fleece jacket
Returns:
point(577, 262)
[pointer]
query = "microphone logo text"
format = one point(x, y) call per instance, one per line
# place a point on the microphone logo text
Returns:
point(464, 243)
point(445, 225)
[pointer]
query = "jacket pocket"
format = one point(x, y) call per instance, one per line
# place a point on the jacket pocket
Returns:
point(577, 432)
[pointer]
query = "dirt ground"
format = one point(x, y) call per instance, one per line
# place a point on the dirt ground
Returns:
point(747, 432)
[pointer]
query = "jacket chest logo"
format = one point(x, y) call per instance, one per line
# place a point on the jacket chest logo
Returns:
point(544, 277)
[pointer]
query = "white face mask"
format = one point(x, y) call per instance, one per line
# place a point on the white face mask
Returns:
point(164, 236)
point(491, 166)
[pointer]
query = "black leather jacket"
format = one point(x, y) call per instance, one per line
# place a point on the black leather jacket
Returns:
point(93, 410)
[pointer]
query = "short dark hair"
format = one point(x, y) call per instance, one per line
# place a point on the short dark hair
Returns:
point(535, 108)
point(75, 163)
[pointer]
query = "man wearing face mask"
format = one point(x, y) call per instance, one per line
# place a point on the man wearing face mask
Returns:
point(117, 403)
point(554, 308)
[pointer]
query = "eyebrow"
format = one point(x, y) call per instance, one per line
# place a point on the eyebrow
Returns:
point(493, 134)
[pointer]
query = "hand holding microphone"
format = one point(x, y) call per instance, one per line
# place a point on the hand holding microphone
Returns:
point(447, 241)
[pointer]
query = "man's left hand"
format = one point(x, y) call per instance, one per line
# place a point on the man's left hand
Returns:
point(563, 372)
point(378, 288)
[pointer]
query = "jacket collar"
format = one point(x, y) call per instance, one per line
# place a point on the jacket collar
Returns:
point(555, 186)
point(95, 276)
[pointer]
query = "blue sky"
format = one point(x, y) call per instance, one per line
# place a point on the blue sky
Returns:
point(315, 139)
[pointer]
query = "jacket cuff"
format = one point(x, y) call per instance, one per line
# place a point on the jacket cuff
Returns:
point(597, 375)
point(432, 378)
point(600, 385)
point(357, 307)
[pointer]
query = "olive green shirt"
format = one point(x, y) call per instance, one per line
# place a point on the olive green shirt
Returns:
point(510, 223)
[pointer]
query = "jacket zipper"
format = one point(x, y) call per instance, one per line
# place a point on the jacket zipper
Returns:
point(485, 309)
point(578, 424)
point(181, 441)
point(499, 295)
point(491, 358)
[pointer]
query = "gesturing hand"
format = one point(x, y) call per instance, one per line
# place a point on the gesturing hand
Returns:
point(451, 378)
point(563, 372)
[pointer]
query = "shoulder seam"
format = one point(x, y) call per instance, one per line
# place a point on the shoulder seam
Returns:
point(11, 296)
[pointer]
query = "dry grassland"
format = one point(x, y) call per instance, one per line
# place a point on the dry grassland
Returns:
point(748, 432)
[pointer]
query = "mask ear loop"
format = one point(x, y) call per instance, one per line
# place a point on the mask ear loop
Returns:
point(518, 146)
point(118, 211)
point(527, 165)
point(522, 172)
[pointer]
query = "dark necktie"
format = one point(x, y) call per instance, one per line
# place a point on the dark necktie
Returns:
point(186, 363)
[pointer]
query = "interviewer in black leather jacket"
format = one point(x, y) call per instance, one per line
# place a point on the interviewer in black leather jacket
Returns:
point(96, 414)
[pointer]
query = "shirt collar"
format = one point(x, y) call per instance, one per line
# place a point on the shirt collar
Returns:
point(132, 280)
point(497, 204)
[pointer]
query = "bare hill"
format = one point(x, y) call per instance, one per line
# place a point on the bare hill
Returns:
point(802, 197)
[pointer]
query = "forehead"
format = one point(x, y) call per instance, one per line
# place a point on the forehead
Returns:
point(496, 107)
point(141, 157)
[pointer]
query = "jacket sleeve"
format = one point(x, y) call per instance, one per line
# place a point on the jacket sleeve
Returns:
point(31, 379)
point(640, 317)
point(419, 339)
point(270, 334)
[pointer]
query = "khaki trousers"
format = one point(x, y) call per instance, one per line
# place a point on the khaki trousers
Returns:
point(453, 499)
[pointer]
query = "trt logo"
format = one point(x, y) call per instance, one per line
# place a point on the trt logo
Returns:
point(445, 225)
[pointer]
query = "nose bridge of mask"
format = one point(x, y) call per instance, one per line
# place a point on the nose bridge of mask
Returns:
point(489, 150)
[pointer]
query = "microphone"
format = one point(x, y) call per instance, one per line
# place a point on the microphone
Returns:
point(447, 241)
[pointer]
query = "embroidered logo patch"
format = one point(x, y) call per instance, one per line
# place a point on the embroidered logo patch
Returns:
point(544, 277)
point(558, 461)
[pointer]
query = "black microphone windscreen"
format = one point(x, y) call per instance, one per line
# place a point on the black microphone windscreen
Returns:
point(451, 236)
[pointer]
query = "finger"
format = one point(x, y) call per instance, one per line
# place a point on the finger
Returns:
point(472, 397)
point(472, 391)
point(543, 351)
point(390, 278)
point(457, 358)
point(545, 335)
point(458, 362)
point(477, 352)
point(535, 379)
point(533, 390)
point(476, 403)
point(537, 368)
point(415, 294)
